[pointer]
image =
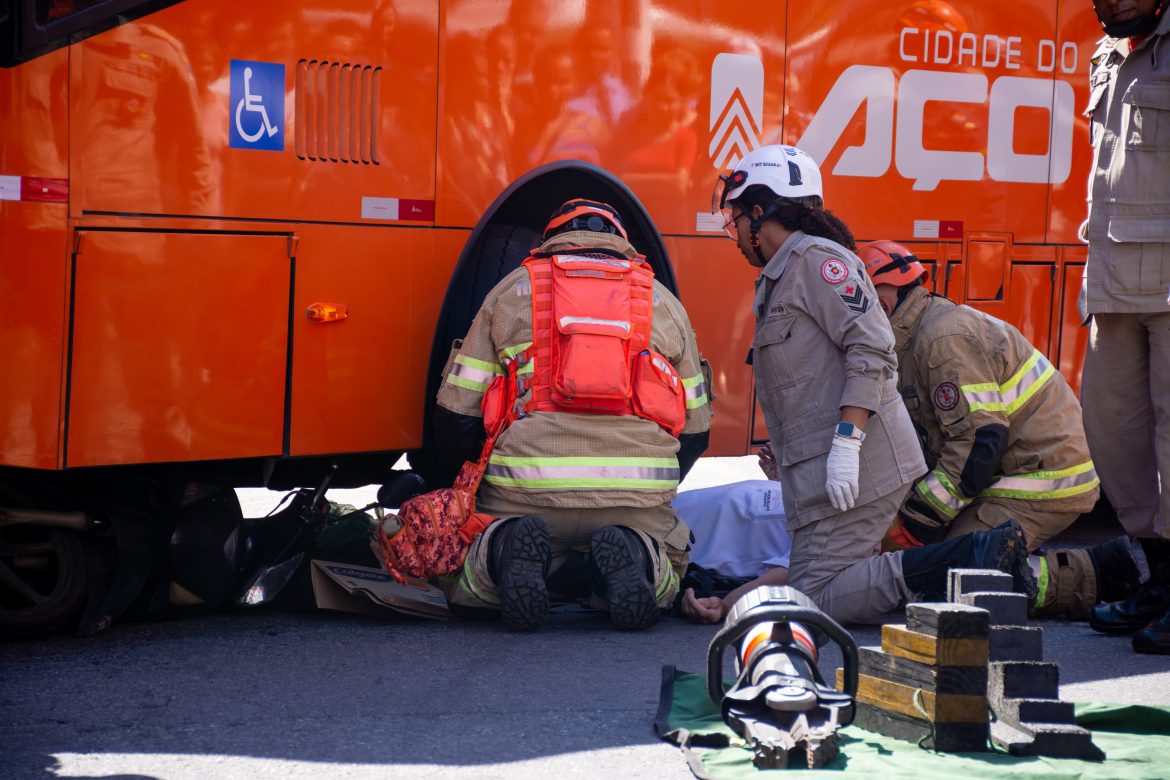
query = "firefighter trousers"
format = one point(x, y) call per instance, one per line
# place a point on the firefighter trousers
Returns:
point(665, 536)
point(1066, 578)
point(1125, 397)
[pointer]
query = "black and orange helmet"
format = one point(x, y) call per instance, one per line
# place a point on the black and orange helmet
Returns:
point(580, 214)
point(890, 263)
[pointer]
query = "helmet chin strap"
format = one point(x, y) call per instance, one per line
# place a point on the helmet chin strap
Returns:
point(755, 228)
point(1137, 26)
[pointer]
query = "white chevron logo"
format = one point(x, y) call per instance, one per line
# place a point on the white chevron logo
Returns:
point(737, 108)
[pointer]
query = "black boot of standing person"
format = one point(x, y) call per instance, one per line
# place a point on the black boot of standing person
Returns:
point(1146, 613)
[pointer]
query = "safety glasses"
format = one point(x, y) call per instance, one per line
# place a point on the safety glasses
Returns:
point(723, 185)
point(729, 227)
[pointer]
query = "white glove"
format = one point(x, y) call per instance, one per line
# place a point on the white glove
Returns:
point(841, 481)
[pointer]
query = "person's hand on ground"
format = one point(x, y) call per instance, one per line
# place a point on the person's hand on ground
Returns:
point(710, 609)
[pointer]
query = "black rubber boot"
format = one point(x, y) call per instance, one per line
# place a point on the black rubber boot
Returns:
point(1154, 638)
point(1147, 603)
point(1117, 574)
point(623, 578)
point(924, 569)
point(518, 561)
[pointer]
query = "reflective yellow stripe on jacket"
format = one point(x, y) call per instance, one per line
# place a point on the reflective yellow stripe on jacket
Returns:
point(472, 374)
point(475, 375)
point(582, 473)
point(938, 490)
point(696, 391)
point(1046, 484)
point(1014, 393)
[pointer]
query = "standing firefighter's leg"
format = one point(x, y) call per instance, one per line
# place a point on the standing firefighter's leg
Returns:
point(1147, 603)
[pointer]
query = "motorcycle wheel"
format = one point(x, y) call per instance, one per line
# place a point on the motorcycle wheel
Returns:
point(43, 579)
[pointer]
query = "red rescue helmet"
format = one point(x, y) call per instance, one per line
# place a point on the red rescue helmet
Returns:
point(890, 263)
point(580, 214)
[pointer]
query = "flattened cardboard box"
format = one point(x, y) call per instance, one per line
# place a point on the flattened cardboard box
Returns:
point(367, 591)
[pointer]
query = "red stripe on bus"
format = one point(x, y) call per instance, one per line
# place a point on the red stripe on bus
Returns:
point(416, 210)
point(42, 189)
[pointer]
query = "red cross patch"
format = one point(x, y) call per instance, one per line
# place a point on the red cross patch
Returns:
point(946, 396)
point(834, 271)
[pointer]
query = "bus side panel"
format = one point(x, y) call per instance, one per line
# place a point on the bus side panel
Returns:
point(32, 331)
point(914, 124)
point(33, 267)
point(1077, 36)
point(358, 384)
point(716, 286)
point(1074, 336)
point(638, 88)
point(179, 347)
point(155, 106)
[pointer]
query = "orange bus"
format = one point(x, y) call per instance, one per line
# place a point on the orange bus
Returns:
point(237, 239)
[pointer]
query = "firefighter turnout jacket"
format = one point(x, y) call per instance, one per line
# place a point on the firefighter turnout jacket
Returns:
point(567, 459)
point(995, 418)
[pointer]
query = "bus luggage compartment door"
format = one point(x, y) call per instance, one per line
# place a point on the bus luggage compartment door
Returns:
point(179, 347)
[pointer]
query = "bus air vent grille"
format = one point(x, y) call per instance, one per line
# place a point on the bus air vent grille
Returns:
point(337, 112)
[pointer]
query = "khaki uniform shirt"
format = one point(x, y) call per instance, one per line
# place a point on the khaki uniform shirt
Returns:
point(1128, 228)
point(960, 370)
point(562, 459)
point(821, 343)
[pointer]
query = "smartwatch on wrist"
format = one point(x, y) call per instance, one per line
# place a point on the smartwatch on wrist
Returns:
point(849, 431)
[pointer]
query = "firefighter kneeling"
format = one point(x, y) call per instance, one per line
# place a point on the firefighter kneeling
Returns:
point(614, 413)
point(1002, 435)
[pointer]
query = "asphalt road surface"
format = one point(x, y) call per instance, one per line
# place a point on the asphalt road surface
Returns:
point(288, 694)
point(272, 694)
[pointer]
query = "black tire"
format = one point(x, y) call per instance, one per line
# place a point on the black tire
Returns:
point(498, 250)
point(43, 579)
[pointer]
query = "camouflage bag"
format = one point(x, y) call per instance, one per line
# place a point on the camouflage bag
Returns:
point(438, 527)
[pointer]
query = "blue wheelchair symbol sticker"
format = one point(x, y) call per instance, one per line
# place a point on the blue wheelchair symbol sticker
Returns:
point(256, 98)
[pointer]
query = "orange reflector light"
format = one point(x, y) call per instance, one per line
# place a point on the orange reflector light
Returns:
point(327, 312)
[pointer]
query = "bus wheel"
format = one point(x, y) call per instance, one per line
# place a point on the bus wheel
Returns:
point(43, 579)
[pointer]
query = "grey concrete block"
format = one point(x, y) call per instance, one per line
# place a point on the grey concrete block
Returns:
point(1020, 711)
point(1006, 609)
point(1016, 643)
point(963, 581)
point(1023, 680)
point(1046, 739)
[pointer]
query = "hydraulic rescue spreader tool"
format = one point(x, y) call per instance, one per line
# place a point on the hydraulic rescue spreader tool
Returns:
point(780, 703)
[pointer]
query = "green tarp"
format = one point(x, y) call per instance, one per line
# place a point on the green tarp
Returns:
point(1136, 741)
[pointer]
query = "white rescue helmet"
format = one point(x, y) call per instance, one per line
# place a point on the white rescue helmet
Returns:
point(785, 170)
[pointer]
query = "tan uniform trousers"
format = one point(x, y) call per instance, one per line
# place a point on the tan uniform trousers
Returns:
point(1125, 397)
point(835, 562)
point(665, 536)
point(1067, 579)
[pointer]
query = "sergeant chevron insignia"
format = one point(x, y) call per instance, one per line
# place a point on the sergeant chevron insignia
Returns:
point(854, 298)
